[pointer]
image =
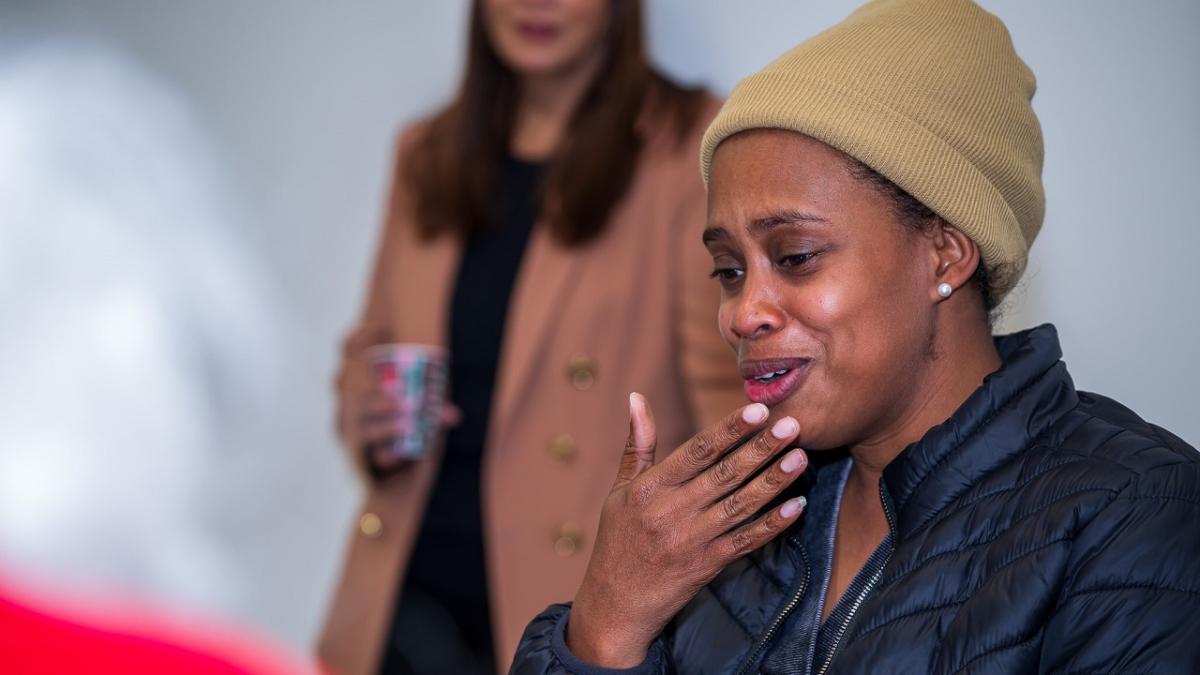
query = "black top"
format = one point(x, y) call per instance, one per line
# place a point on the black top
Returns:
point(442, 620)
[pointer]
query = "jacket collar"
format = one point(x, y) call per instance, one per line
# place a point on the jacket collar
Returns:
point(1014, 405)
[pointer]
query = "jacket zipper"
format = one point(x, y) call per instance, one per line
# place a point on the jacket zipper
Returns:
point(783, 613)
point(887, 511)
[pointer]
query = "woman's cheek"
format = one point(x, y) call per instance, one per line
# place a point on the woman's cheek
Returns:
point(823, 305)
point(725, 321)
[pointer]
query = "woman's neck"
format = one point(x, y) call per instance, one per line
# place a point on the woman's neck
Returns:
point(960, 364)
point(545, 105)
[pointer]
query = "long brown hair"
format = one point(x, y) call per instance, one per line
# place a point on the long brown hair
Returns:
point(454, 167)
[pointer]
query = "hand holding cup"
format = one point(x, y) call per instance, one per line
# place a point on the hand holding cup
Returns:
point(401, 414)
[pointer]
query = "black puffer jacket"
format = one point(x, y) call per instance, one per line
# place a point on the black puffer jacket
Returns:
point(1040, 529)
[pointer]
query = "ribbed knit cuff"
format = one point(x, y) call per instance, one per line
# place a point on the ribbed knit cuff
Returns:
point(652, 665)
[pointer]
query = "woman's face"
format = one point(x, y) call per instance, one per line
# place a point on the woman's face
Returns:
point(825, 296)
point(545, 37)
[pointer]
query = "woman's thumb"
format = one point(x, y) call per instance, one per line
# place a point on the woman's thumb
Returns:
point(640, 446)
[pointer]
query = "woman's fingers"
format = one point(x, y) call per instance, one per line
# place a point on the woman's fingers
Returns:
point(376, 403)
point(732, 470)
point(743, 503)
point(380, 418)
point(382, 429)
point(755, 535)
point(641, 443)
point(384, 459)
point(700, 451)
point(451, 415)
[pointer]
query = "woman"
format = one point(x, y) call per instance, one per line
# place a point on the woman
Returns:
point(564, 161)
point(872, 194)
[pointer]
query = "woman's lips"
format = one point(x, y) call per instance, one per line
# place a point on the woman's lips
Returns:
point(537, 31)
point(771, 381)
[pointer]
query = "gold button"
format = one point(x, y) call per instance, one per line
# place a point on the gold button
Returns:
point(370, 525)
point(563, 448)
point(568, 539)
point(581, 371)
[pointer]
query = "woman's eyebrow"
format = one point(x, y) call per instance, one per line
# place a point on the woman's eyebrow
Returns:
point(784, 217)
point(765, 223)
point(714, 234)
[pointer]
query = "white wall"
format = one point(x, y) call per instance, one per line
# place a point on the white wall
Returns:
point(285, 111)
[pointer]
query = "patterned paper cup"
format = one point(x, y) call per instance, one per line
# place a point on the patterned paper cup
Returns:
point(416, 375)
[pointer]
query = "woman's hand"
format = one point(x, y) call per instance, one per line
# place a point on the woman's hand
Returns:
point(381, 421)
point(370, 418)
point(667, 529)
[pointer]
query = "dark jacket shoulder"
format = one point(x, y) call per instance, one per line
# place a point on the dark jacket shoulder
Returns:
point(1128, 452)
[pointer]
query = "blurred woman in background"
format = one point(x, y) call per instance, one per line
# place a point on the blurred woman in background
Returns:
point(542, 228)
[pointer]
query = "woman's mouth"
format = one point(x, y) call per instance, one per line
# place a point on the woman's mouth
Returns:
point(771, 381)
point(537, 31)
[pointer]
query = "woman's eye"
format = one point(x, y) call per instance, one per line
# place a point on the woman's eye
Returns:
point(796, 259)
point(726, 273)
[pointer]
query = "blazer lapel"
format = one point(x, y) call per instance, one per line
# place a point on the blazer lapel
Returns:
point(427, 272)
point(549, 273)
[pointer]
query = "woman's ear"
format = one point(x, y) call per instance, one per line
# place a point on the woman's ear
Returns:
point(955, 258)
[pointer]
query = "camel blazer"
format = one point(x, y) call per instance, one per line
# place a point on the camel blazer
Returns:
point(631, 311)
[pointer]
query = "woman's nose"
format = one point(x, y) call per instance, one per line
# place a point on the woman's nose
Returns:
point(755, 312)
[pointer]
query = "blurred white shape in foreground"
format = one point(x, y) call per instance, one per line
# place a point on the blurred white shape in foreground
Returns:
point(137, 335)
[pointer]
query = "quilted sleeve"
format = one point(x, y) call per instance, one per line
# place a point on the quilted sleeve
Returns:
point(543, 651)
point(1131, 602)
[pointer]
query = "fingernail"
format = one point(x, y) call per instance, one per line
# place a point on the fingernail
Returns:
point(755, 413)
point(793, 461)
point(785, 428)
point(792, 506)
point(635, 401)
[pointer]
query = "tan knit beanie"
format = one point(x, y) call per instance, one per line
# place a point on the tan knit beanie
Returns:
point(930, 94)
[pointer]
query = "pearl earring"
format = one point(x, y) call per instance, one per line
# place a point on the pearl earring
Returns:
point(945, 289)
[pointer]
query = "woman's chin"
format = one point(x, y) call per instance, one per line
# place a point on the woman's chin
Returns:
point(791, 407)
point(815, 433)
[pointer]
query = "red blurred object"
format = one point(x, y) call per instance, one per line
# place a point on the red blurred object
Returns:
point(388, 376)
point(38, 637)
